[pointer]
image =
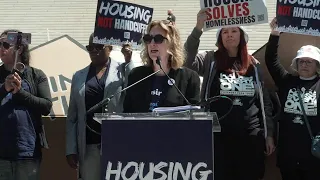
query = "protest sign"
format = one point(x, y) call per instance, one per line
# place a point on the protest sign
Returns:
point(121, 22)
point(228, 13)
point(299, 17)
point(157, 149)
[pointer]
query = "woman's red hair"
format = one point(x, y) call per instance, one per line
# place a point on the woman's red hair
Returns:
point(223, 60)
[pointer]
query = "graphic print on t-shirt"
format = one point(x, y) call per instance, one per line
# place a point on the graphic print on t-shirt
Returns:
point(157, 91)
point(237, 102)
point(156, 94)
point(236, 85)
point(292, 104)
point(298, 120)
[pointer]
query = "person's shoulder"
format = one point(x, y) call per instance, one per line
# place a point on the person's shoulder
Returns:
point(38, 72)
point(115, 64)
point(209, 55)
point(82, 70)
point(255, 61)
point(140, 70)
point(187, 72)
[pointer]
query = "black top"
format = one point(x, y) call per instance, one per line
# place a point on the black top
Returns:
point(244, 116)
point(39, 100)
point(94, 92)
point(20, 115)
point(138, 97)
point(294, 140)
point(158, 91)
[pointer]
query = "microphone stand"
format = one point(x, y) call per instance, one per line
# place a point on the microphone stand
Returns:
point(158, 61)
point(107, 100)
point(203, 102)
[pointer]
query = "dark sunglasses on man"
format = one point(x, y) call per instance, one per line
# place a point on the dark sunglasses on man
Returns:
point(5, 45)
point(97, 47)
point(158, 39)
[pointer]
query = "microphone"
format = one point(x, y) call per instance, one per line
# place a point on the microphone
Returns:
point(158, 61)
point(107, 100)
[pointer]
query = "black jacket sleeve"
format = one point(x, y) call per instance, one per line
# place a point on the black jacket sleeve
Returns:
point(257, 124)
point(42, 102)
point(276, 70)
point(3, 92)
point(268, 108)
point(127, 100)
point(193, 88)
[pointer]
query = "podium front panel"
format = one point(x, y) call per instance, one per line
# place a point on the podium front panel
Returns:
point(157, 149)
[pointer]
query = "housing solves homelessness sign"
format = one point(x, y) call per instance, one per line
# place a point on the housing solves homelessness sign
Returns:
point(227, 13)
point(121, 22)
point(157, 149)
point(299, 16)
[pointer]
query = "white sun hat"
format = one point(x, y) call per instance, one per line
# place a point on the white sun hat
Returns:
point(307, 51)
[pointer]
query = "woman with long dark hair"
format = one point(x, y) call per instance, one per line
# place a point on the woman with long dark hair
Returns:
point(231, 71)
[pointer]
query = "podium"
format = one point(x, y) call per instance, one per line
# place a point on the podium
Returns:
point(157, 145)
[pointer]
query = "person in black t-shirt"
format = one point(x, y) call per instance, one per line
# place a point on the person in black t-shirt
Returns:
point(247, 130)
point(161, 41)
point(294, 145)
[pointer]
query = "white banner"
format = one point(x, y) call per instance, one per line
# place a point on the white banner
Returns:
point(228, 13)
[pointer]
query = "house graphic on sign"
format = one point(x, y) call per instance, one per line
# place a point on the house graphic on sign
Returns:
point(59, 59)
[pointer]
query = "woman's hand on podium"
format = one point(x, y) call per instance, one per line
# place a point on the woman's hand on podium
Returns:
point(73, 160)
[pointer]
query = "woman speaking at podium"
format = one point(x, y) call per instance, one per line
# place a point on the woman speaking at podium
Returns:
point(162, 46)
point(231, 71)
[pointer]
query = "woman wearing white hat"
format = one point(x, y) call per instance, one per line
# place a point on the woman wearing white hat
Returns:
point(231, 71)
point(294, 146)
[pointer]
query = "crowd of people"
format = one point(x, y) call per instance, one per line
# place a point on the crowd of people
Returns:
point(247, 133)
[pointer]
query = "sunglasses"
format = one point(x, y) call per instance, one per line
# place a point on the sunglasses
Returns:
point(5, 45)
point(97, 47)
point(158, 39)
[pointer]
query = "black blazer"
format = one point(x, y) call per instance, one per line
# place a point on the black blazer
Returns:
point(138, 97)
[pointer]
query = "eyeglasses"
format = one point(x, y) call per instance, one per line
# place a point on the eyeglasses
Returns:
point(158, 39)
point(5, 45)
point(308, 63)
point(97, 47)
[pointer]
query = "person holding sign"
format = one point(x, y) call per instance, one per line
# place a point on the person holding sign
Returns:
point(101, 79)
point(294, 150)
point(162, 46)
point(231, 71)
